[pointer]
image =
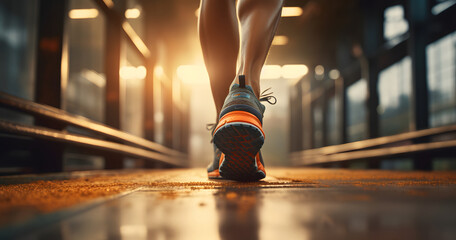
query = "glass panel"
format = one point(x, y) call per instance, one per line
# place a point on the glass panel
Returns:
point(317, 115)
point(18, 25)
point(84, 93)
point(18, 30)
point(394, 86)
point(159, 81)
point(73, 161)
point(132, 75)
point(85, 90)
point(356, 111)
point(441, 64)
point(333, 121)
point(394, 22)
point(404, 164)
point(440, 6)
point(444, 164)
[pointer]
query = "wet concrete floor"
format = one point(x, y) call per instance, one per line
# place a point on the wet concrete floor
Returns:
point(183, 204)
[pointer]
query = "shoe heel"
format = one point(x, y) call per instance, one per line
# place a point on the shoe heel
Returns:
point(239, 117)
point(239, 136)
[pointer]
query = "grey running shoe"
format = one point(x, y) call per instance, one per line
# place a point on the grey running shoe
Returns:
point(239, 134)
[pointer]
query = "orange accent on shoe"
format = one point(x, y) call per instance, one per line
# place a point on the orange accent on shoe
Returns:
point(260, 166)
point(239, 116)
point(222, 157)
point(214, 174)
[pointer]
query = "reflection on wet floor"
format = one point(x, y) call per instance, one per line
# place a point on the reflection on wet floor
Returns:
point(256, 214)
point(273, 209)
point(238, 213)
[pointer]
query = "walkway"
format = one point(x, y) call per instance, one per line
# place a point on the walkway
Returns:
point(183, 204)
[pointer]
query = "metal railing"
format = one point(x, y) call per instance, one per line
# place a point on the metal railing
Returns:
point(390, 146)
point(102, 140)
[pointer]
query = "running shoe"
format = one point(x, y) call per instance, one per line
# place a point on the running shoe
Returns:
point(213, 168)
point(239, 134)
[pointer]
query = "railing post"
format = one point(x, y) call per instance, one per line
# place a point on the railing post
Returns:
point(112, 88)
point(373, 38)
point(418, 15)
point(48, 88)
point(150, 40)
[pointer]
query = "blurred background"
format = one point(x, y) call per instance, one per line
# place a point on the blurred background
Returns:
point(342, 71)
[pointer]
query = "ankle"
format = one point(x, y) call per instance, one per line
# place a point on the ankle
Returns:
point(254, 85)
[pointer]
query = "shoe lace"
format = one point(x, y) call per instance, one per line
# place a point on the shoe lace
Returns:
point(211, 127)
point(267, 97)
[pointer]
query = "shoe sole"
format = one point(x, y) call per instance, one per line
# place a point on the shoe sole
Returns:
point(240, 142)
point(215, 174)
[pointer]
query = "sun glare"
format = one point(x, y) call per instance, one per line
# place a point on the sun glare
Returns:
point(192, 74)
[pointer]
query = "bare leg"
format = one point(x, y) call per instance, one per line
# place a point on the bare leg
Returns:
point(219, 37)
point(259, 20)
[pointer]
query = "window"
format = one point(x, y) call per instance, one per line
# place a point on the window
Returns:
point(132, 75)
point(317, 115)
point(394, 22)
point(332, 121)
point(441, 61)
point(356, 111)
point(18, 30)
point(394, 86)
point(84, 94)
point(442, 5)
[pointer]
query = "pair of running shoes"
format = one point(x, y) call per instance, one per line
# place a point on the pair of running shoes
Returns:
point(238, 136)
